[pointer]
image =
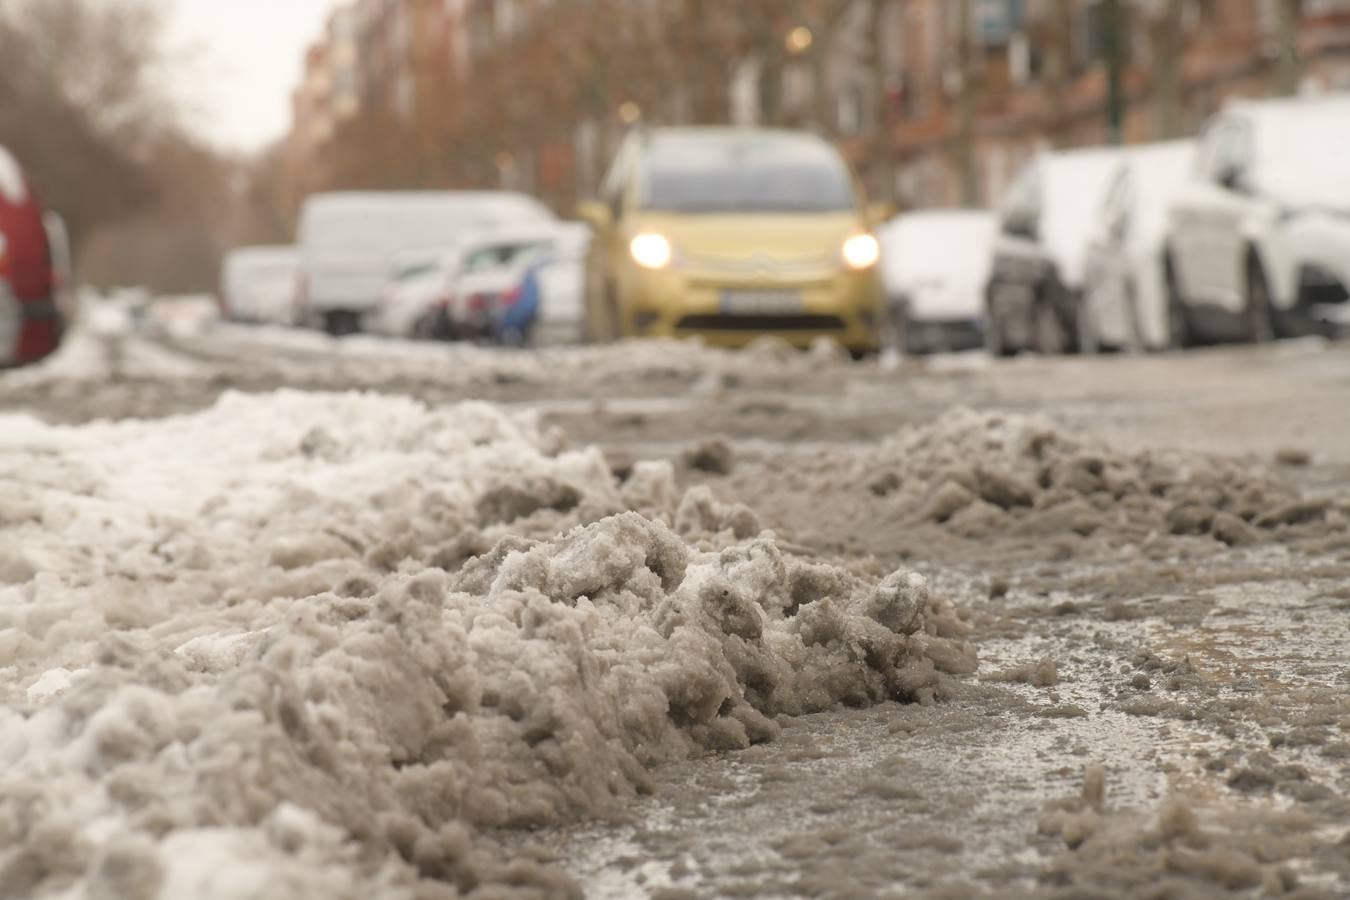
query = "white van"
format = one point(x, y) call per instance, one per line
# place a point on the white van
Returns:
point(347, 241)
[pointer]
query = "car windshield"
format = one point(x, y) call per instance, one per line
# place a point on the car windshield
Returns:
point(496, 256)
point(409, 271)
point(750, 174)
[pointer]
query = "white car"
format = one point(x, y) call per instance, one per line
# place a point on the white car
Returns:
point(415, 297)
point(1125, 298)
point(548, 305)
point(490, 264)
point(935, 269)
point(348, 239)
point(1258, 242)
point(1040, 254)
point(257, 284)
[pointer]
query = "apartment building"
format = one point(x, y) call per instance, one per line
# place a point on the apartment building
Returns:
point(937, 102)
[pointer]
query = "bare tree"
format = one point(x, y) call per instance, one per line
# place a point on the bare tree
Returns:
point(967, 105)
point(1165, 43)
point(1288, 72)
point(76, 104)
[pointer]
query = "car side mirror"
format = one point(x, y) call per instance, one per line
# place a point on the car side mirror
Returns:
point(595, 214)
point(1233, 178)
point(1020, 224)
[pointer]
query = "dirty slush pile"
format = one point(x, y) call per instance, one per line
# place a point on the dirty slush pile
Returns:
point(980, 473)
point(331, 644)
point(985, 487)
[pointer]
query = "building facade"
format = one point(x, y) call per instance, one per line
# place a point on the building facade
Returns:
point(937, 102)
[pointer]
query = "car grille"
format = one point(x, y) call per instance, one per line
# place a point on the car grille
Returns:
point(761, 265)
point(797, 322)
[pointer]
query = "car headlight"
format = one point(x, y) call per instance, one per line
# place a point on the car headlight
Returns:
point(861, 252)
point(651, 250)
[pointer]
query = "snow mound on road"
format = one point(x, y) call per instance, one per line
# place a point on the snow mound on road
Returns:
point(979, 474)
point(329, 645)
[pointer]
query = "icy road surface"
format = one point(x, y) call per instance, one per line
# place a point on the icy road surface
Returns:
point(282, 616)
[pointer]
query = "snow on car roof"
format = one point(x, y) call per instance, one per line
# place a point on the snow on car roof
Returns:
point(1157, 172)
point(1074, 183)
point(948, 242)
point(12, 184)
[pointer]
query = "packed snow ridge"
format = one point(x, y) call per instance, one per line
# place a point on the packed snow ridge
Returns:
point(310, 645)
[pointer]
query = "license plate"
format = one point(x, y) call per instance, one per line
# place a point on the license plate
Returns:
point(761, 303)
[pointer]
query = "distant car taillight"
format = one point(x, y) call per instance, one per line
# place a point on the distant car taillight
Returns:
point(5, 268)
point(478, 302)
point(511, 297)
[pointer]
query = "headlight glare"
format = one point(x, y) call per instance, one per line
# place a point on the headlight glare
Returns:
point(861, 251)
point(651, 250)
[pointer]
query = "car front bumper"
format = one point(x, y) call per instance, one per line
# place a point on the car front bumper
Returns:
point(733, 312)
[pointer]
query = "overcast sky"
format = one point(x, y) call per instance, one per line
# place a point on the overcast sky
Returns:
point(240, 60)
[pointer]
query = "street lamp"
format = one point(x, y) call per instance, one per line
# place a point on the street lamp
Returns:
point(799, 40)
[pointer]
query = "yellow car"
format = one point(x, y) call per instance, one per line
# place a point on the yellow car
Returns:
point(730, 234)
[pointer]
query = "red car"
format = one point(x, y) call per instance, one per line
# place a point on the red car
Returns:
point(30, 322)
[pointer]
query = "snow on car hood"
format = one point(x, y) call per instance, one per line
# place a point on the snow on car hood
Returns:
point(939, 260)
point(1326, 187)
point(329, 645)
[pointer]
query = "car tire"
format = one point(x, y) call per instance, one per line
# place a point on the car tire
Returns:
point(1046, 331)
point(1179, 332)
point(614, 330)
point(341, 322)
point(425, 328)
point(995, 338)
point(895, 329)
point(1135, 342)
point(1260, 321)
point(1089, 341)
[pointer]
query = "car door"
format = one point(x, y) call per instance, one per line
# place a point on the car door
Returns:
point(1106, 272)
point(1233, 199)
point(1193, 219)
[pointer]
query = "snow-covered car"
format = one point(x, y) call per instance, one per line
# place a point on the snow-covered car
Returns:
point(30, 320)
point(1125, 298)
point(258, 285)
point(347, 241)
point(490, 265)
point(548, 305)
point(935, 269)
point(1258, 242)
point(1040, 253)
point(415, 297)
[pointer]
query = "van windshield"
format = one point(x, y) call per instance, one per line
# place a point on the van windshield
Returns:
point(744, 174)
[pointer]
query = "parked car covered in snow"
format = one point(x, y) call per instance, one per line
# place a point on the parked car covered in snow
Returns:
point(347, 240)
point(548, 305)
point(935, 269)
point(1125, 296)
point(30, 320)
point(1039, 256)
point(1258, 242)
point(258, 284)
